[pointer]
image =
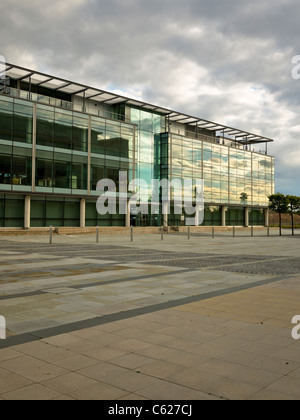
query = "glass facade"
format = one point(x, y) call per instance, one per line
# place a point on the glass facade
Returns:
point(61, 150)
point(148, 125)
point(231, 176)
point(16, 122)
point(56, 155)
point(69, 149)
point(112, 144)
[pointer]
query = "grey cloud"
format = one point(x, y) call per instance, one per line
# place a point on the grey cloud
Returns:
point(228, 60)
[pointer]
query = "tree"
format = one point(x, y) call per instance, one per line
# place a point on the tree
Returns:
point(244, 198)
point(280, 204)
point(293, 207)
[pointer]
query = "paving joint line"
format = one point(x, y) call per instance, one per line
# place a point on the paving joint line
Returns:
point(132, 313)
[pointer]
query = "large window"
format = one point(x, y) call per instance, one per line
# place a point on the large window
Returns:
point(80, 132)
point(23, 115)
point(263, 182)
point(212, 216)
point(45, 126)
point(98, 136)
point(11, 211)
point(5, 169)
point(6, 118)
point(257, 217)
point(62, 145)
point(15, 168)
point(112, 150)
point(16, 118)
point(148, 124)
point(64, 172)
point(21, 170)
point(235, 216)
point(53, 211)
point(44, 173)
point(62, 129)
point(112, 138)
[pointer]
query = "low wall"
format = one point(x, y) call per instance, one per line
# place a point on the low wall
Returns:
point(199, 229)
point(118, 230)
point(104, 230)
point(286, 219)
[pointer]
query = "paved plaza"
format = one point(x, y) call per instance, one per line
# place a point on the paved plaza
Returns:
point(178, 319)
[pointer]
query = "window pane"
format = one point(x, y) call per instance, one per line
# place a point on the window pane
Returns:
point(5, 169)
point(45, 126)
point(98, 136)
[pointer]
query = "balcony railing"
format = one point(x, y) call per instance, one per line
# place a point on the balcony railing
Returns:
point(58, 103)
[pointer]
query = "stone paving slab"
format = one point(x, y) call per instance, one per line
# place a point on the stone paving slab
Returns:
point(143, 331)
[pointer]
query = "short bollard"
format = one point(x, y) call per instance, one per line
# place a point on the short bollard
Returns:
point(233, 231)
point(252, 231)
point(213, 233)
point(131, 233)
point(268, 230)
point(162, 233)
point(189, 233)
point(51, 235)
point(97, 235)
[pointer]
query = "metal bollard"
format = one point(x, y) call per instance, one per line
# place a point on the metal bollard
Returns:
point(213, 232)
point(252, 231)
point(51, 235)
point(97, 235)
point(162, 233)
point(189, 233)
point(268, 230)
point(131, 233)
point(233, 231)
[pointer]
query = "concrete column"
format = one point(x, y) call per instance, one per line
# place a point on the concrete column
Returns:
point(33, 148)
point(223, 216)
point(134, 150)
point(27, 212)
point(267, 218)
point(246, 216)
point(82, 213)
point(89, 140)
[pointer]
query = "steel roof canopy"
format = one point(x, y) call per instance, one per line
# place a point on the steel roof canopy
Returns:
point(101, 96)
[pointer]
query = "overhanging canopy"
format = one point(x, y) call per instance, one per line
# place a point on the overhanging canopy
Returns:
point(98, 95)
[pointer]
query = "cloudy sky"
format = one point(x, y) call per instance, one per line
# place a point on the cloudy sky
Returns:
point(228, 61)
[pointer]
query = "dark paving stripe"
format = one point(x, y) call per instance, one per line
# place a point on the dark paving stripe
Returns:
point(120, 316)
point(95, 284)
point(27, 260)
point(22, 295)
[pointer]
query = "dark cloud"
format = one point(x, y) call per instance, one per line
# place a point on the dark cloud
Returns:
point(228, 61)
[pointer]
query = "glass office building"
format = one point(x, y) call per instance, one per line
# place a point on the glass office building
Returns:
point(59, 138)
